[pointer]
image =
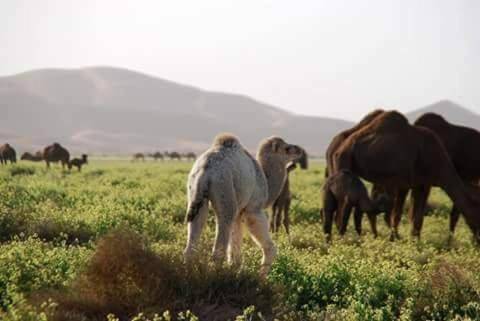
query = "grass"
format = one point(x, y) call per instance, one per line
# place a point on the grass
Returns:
point(108, 240)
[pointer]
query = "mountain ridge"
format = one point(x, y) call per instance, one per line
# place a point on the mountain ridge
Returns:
point(114, 110)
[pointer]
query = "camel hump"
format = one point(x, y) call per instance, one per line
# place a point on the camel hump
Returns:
point(430, 119)
point(391, 120)
point(226, 140)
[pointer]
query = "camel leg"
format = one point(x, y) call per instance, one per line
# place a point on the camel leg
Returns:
point(346, 211)
point(396, 215)
point(194, 231)
point(330, 205)
point(417, 212)
point(235, 244)
point(286, 217)
point(257, 224)
point(272, 219)
point(357, 217)
point(225, 205)
point(372, 219)
point(454, 216)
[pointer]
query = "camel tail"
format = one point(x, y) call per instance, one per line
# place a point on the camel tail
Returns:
point(198, 199)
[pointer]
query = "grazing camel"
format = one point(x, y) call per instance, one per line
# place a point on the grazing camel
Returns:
point(391, 152)
point(190, 156)
point(397, 195)
point(341, 137)
point(37, 157)
point(239, 188)
point(138, 157)
point(7, 153)
point(281, 206)
point(78, 162)
point(344, 191)
point(157, 155)
point(174, 156)
point(461, 144)
point(56, 153)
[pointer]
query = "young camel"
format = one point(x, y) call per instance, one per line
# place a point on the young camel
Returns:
point(281, 206)
point(78, 162)
point(343, 191)
point(239, 188)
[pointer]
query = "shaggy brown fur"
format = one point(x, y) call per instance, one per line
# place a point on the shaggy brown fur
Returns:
point(344, 191)
point(37, 157)
point(391, 152)
point(461, 144)
point(56, 153)
point(78, 162)
point(7, 153)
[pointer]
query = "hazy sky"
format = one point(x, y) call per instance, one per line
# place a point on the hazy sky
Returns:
point(329, 58)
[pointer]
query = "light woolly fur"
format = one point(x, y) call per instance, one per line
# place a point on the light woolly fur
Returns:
point(239, 187)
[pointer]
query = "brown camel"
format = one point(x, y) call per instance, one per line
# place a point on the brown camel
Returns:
point(281, 206)
point(78, 162)
point(174, 155)
point(461, 144)
point(190, 156)
point(391, 152)
point(341, 137)
point(344, 191)
point(7, 153)
point(157, 155)
point(37, 157)
point(398, 196)
point(56, 153)
point(138, 156)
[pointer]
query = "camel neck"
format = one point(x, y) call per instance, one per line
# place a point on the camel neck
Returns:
point(275, 173)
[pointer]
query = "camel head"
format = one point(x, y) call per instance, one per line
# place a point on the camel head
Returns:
point(382, 203)
point(276, 148)
point(303, 159)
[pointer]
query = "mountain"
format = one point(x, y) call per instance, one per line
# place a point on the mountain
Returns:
point(112, 110)
point(451, 111)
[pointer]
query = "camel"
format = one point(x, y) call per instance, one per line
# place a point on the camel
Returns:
point(190, 156)
point(56, 153)
point(78, 162)
point(157, 155)
point(398, 196)
point(37, 157)
point(344, 191)
point(239, 188)
point(341, 137)
point(391, 152)
point(173, 155)
point(138, 156)
point(7, 153)
point(461, 145)
point(281, 206)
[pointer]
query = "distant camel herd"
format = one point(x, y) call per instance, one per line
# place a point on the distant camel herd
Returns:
point(383, 148)
point(190, 156)
point(54, 153)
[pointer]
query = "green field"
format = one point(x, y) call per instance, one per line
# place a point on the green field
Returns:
point(53, 226)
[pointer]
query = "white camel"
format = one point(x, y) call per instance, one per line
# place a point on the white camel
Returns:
point(239, 189)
